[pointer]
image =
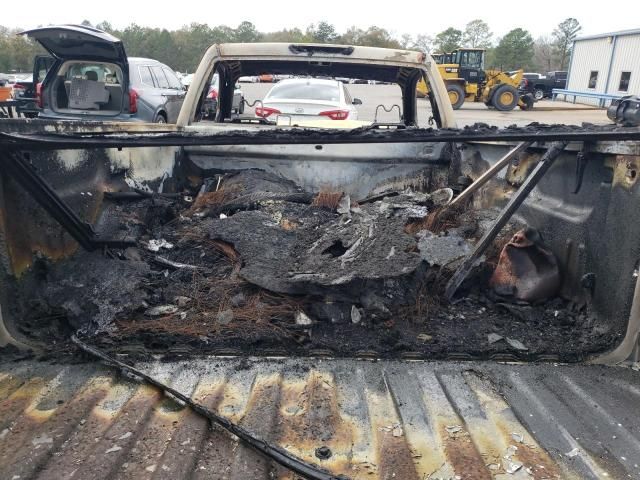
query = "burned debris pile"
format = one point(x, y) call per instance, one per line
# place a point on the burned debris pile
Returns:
point(248, 262)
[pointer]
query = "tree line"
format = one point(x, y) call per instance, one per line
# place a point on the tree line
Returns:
point(517, 48)
point(183, 48)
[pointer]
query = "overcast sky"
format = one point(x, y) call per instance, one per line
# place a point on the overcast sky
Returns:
point(430, 17)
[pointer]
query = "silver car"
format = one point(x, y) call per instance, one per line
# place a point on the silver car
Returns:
point(308, 99)
point(93, 79)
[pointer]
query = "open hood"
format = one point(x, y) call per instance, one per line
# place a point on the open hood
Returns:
point(78, 42)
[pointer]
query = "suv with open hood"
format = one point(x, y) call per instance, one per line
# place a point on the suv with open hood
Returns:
point(92, 79)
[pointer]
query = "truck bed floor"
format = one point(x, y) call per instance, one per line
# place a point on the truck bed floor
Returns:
point(384, 419)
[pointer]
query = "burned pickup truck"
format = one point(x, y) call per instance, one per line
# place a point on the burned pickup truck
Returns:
point(390, 301)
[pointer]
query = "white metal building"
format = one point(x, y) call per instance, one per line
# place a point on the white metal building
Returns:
point(606, 64)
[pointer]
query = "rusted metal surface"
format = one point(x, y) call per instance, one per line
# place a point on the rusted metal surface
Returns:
point(548, 159)
point(79, 178)
point(41, 233)
point(409, 420)
point(490, 173)
point(626, 171)
point(518, 171)
point(526, 270)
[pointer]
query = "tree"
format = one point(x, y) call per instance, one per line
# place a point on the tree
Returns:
point(448, 40)
point(564, 35)
point(423, 42)
point(490, 58)
point(406, 41)
point(353, 36)
point(378, 37)
point(134, 37)
point(295, 35)
point(183, 48)
point(106, 26)
point(477, 34)
point(543, 55)
point(17, 51)
point(194, 39)
point(515, 50)
point(371, 37)
point(246, 33)
point(420, 42)
point(222, 34)
point(323, 32)
point(163, 45)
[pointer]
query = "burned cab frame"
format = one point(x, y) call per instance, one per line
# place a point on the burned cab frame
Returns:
point(231, 61)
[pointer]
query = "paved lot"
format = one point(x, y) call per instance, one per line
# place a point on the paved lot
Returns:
point(373, 95)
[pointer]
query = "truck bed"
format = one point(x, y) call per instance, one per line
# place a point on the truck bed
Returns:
point(384, 419)
point(182, 249)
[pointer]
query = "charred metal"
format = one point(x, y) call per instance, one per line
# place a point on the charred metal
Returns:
point(291, 261)
point(205, 259)
point(280, 136)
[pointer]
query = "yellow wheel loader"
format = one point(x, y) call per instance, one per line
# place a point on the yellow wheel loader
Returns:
point(466, 80)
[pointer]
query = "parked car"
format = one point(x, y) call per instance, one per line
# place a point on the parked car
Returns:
point(527, 84)
point(186, 80)
point(210, 105)
point(6, 91)
point(541, 86)
point(557, 79)
point(19, 83)
point(28, 86)
point(93, 79)
point(309, 98)
point(532, 76)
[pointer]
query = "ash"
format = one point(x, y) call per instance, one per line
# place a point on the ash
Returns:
point(251, 263)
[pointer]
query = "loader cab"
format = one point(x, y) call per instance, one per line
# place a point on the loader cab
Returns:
point(470, 63)
point(443, 58)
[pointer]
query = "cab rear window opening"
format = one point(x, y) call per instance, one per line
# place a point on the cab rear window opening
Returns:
point(88, 86)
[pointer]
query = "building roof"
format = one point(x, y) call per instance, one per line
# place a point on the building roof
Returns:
point(633, 31)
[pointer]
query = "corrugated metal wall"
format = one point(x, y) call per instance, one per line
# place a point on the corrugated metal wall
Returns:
point(596, 55)
point(588, 56)
point(626, 59)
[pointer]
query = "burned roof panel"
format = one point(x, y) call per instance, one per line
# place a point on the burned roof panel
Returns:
point(319, 52)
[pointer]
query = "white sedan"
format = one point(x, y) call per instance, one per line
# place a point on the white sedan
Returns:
point(304, 99)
